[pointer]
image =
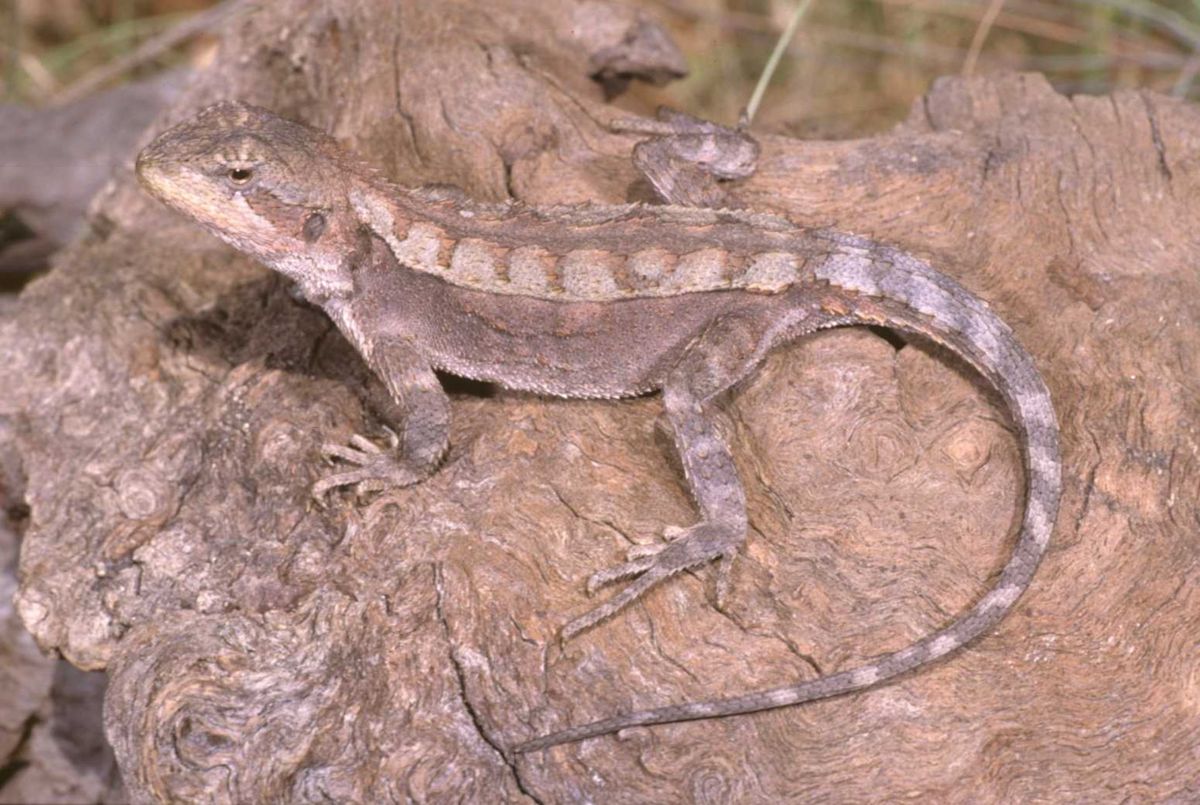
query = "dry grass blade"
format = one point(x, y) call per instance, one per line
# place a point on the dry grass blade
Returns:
point(148, 51)
point(781, 46)
point(981, 32)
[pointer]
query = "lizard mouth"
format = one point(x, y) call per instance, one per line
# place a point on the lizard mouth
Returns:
point(180, 187)
point(155, 175)
point(187, 190)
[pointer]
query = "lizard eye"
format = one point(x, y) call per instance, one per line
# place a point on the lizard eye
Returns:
point(240, 176)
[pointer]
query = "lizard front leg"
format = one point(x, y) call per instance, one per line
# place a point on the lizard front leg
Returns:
point(419, 411)
point(724, 354)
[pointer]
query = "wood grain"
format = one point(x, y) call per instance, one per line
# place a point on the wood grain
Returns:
point(171, 398)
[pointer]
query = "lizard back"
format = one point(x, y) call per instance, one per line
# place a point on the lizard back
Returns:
point(291, 196)
point(606, 253)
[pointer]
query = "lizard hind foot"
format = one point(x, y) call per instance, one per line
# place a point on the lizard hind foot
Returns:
point(650, 564)
point(638, 559)
point(372, 468)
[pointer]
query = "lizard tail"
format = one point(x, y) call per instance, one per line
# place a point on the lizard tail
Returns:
point(886, 287)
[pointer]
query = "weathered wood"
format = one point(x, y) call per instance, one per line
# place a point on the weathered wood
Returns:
point(169, 399)
point(52, 744)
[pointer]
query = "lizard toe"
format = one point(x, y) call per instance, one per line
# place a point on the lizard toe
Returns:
point(634, 567)
point(337, 480)
point(371, 468)
point(651, 564)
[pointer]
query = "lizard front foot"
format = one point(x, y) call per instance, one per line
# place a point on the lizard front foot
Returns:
point(374, 468)
point(650, 564)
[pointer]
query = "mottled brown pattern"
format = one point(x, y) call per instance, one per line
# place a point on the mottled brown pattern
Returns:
point(445, 252)
point(650, 267)
point(258, 648)
point(477, 263)
point(639, 247)
point(734, 267)
point(527, 266)
point(435, 300)
point(280, 213)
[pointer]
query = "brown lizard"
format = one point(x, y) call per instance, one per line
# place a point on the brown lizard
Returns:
point(588, 301)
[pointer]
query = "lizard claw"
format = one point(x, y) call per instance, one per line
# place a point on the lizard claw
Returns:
point(673, 532)
point(650, 564)
point(374, 469)
point(638, 560)
point(636, 565)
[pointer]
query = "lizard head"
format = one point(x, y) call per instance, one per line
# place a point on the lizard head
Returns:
point(274, 189)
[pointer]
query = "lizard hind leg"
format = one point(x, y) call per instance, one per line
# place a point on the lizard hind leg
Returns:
point(724, 354)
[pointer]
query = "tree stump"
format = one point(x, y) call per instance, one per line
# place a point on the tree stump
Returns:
point(168, 397)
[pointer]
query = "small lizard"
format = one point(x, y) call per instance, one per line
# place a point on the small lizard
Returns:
point(588, 301)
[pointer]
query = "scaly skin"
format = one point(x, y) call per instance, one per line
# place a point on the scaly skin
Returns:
point(593, 301)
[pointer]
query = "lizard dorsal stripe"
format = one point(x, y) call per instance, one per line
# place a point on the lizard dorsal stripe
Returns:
point(421, 248)
point(703, 268)
point(771, 272)
point(652, 266)
point(476, 263)
point(512, 250)
point(531, 268)
point(591, 274)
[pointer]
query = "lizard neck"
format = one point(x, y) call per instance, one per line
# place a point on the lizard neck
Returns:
point(419, 231)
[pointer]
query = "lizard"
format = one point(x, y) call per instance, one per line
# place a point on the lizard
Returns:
point(589, 301)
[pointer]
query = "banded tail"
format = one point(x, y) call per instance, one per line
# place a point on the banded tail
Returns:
point(913, 297)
